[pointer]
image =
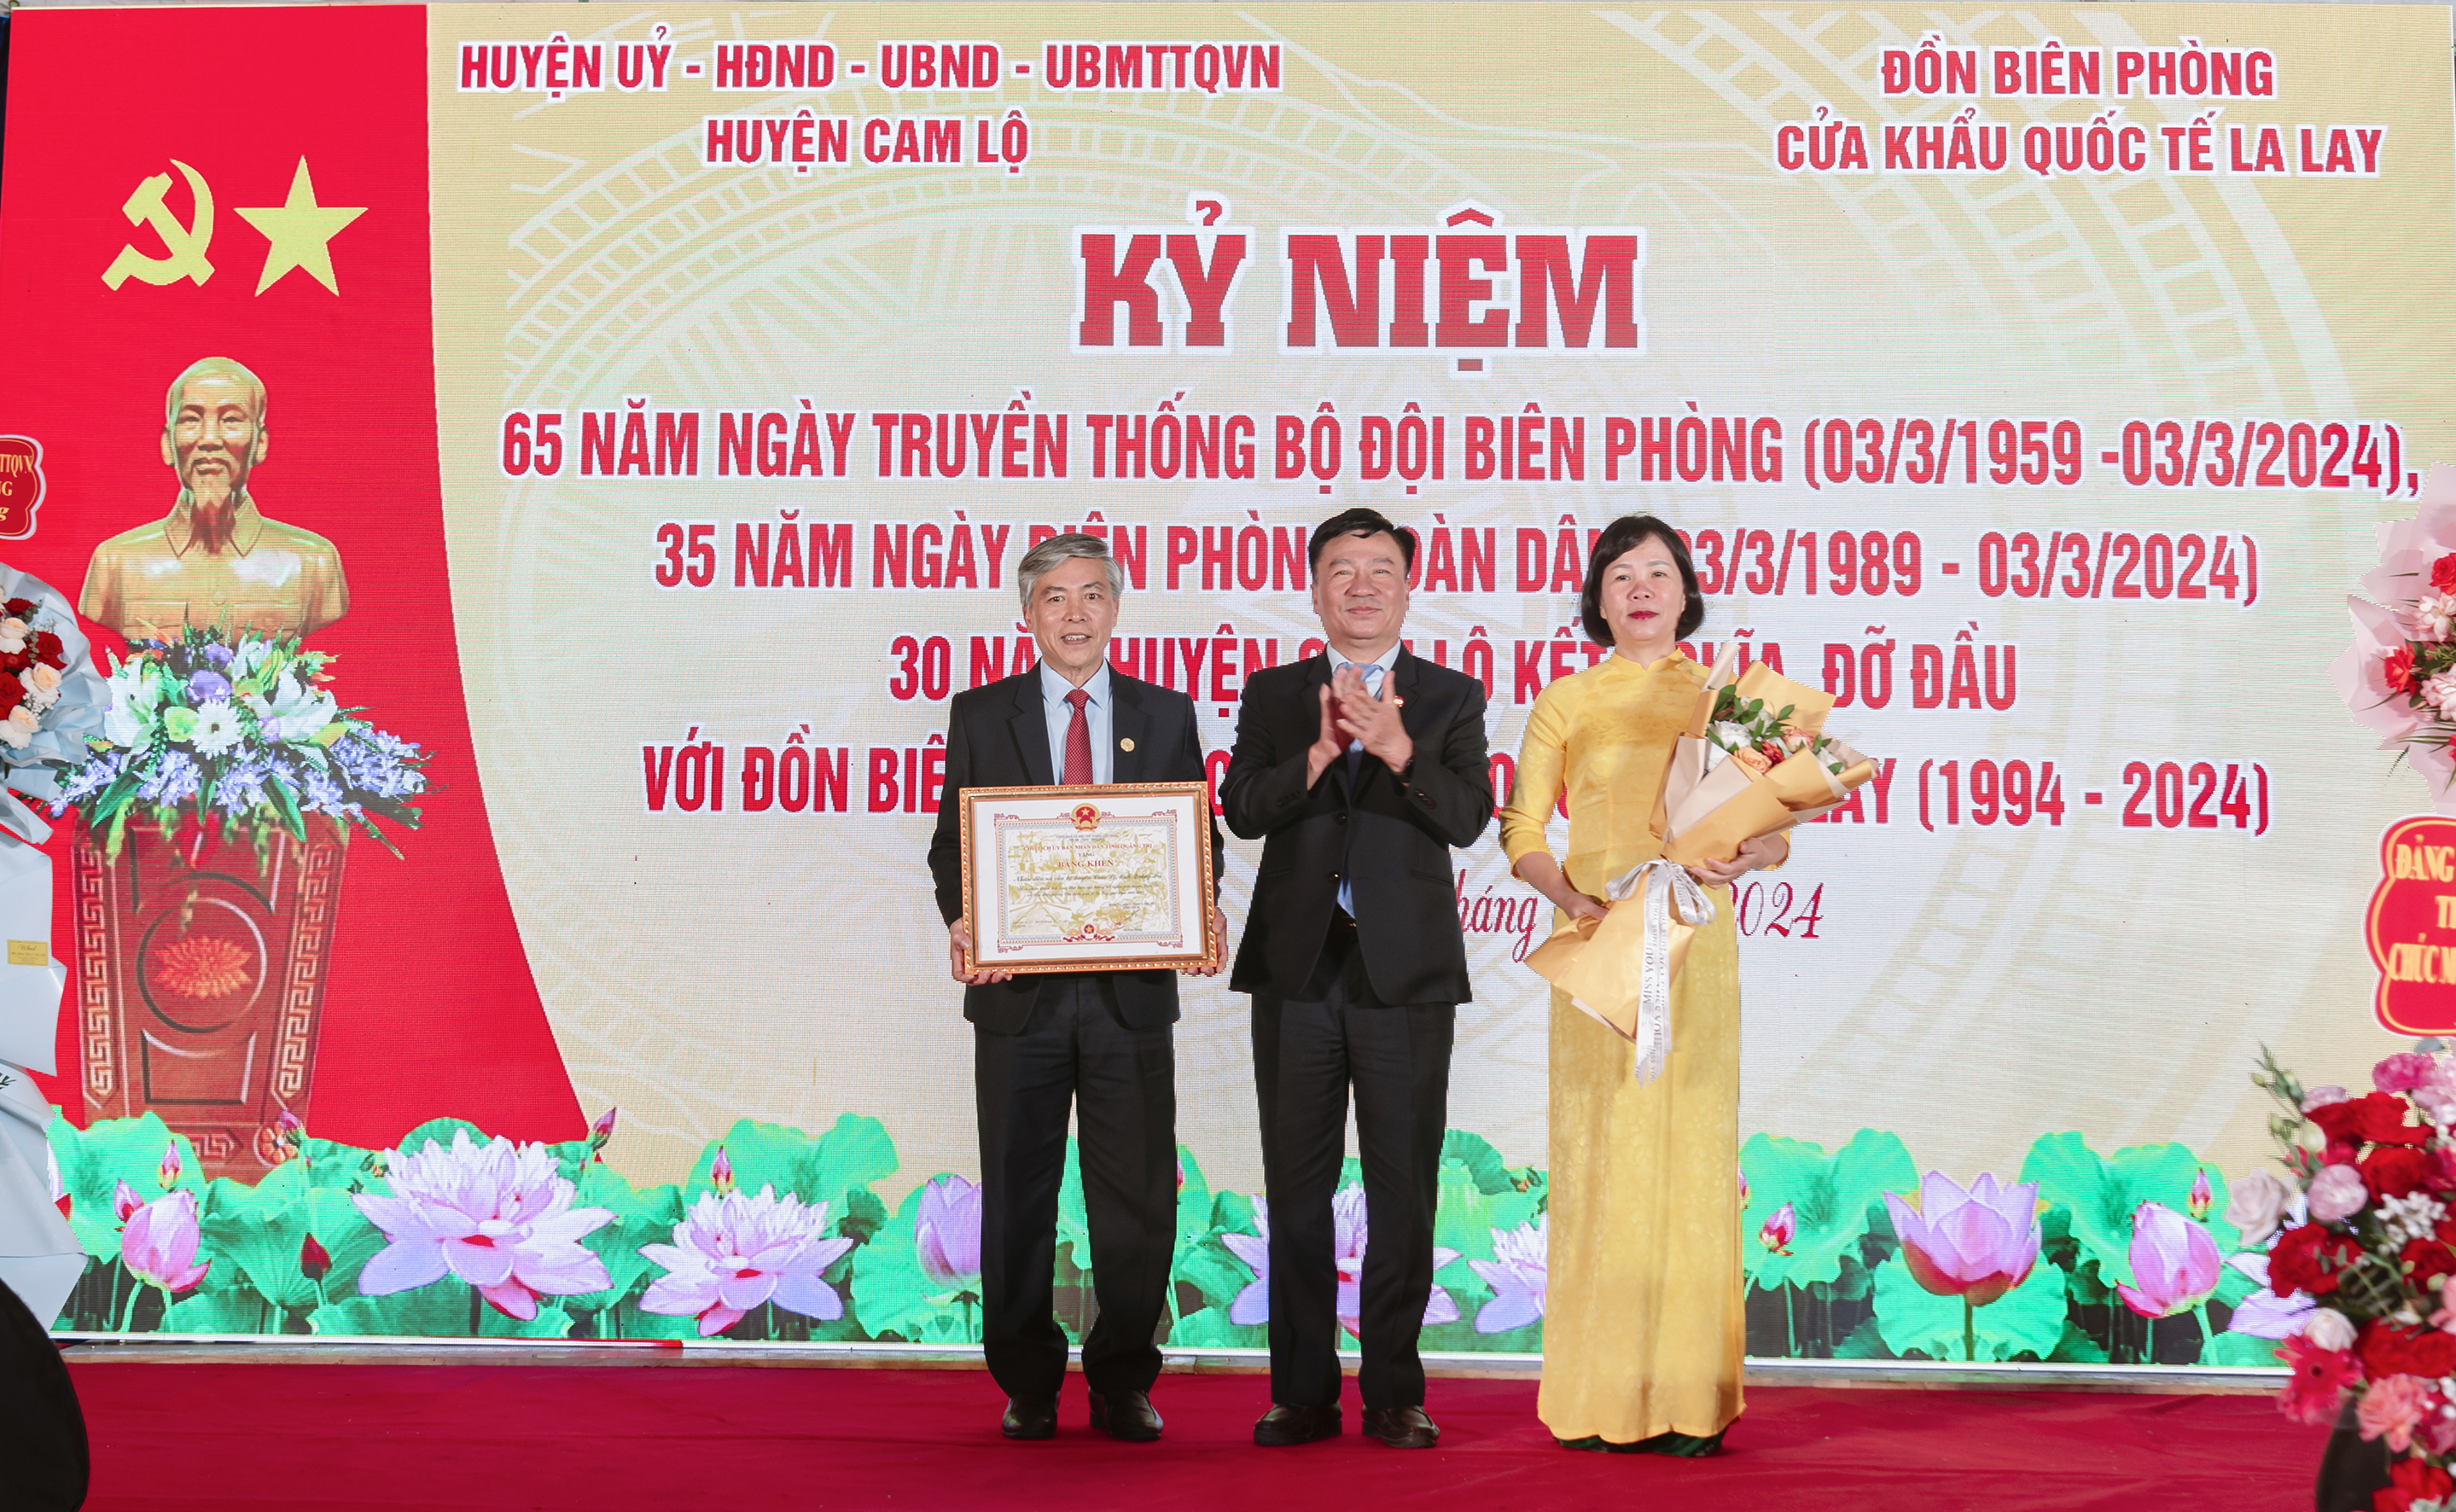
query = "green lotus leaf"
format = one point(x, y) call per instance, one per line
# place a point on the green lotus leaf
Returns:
point(2239, 1349)
point(93, 1160)
point(234, 1310)
point(639, 1217)
point(1830, 1199)
point(441, 1131)
point(891, 1293)
point(260, 1233)
point(2099, 1196)
point(1470, 1211)
point(438, 1309)
point(1073, 1226)
point(348, 1238)
point(1481, 1161)
point(2029, 1319)
point(2076, 1347)
point(626, 1320)
point(1193, 1200)
point(855, 1153)
point(1209, 1328)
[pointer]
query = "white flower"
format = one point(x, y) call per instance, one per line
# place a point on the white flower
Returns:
point(2403, 1219)
point(2439, 693)
point(2256, 1203)
point(136, 702)
point(497, 1215)
point(217, 729)
point(2433, 616)
point(294, 713)
point(2330, 1328)
point(732, 1253)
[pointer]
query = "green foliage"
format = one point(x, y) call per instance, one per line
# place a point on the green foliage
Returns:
point(2025, 1323)
point(1834, 1200)
point(2097, 1197)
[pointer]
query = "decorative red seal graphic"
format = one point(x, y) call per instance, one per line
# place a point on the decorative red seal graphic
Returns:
point(1085, 816)
point(21, 485)
point(2411, 927)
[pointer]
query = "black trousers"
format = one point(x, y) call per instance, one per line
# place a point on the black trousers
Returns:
point(1122, 1086)
point(1307, 1053)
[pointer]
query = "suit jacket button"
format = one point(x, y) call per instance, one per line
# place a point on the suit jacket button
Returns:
point(1334, 876)
point(1343, 819)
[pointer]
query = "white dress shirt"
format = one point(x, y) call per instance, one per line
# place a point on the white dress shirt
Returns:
point(1053, 689)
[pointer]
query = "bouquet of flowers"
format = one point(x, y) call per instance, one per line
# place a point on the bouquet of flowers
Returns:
point(51, 700)
point(1756, 759)
point(2375, 1179)
point(237, 729)
point(2399, 677)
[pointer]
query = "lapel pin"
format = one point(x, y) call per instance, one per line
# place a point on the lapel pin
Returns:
point(1127, 743)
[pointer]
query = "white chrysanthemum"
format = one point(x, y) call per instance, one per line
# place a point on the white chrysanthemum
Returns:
point(217, 729)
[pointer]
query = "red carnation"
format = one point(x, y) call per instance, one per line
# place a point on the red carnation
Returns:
point(2377, 1116)
point(20, 608)
point(2309, 1258)
point(47, 649)
point(2395, 1171)
point(2399, 671)
point(2389, 1349)
point(2412, 1480)
point(2430, 1259)
point(2443, 573)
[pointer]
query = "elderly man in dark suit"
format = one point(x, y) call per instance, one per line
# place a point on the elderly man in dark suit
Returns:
point(1360, 769)
point(1097, 1040)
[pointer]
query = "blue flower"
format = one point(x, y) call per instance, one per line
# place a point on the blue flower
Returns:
point(218, 654)
point(205, 687)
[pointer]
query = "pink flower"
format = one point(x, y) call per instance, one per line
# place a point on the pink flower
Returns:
point(2392, 1408)
point(124, 1201)
point(1253, 1304)
point(1778, 1232)
point(1978, 1244)
point(719, 1171)
point(2403, 1072)
point(947, 1232)
point(497, 1215)
point(168, 1176)
point(2174, 1262)
point(159, 1244)
point(603, 1129)
point(2265, 1314)
point(1517, 1275)
point(734, 1251)
point(2200, 1197)
point(2337, 1193)
point(1744, 1186)
point(2444, 1317)
point(1347, 1216)
point(2319, 1380)
point(2321, 1097)
point(2257, 1204)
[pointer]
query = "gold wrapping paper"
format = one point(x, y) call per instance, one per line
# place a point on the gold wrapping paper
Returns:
point(1601, 963)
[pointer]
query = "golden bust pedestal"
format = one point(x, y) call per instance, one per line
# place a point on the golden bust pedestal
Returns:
point(200, 982)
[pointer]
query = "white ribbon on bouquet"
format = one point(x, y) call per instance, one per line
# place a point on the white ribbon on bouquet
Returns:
point(1670, 889)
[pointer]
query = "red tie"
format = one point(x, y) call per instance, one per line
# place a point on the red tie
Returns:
point(1078, 743)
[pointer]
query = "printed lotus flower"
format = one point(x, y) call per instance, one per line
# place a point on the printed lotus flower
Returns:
point(159, 1246)
point(498, 1216)
point(2200, 1197)
point(313, 1259)
point(1778, 1232)
point(1516, 1272)
point(603, 1129)
point(947, 1233)
point(735, 1252)
point(1347, 1216)
point(719, 1171)
point(124, 1203)
point(2265, 1314)
point(1976, 1244)
point(1253, 1304)
point(2174, 1263)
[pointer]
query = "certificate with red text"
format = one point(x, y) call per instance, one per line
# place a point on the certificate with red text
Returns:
point(1113, 877)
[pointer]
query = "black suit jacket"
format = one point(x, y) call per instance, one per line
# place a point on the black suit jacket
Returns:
point(1406, 893)
point(997, 736)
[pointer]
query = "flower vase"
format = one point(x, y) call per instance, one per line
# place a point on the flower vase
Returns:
point(200, 982)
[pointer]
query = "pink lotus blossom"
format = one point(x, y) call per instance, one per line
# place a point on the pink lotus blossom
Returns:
point(1516, 1272)
point(947, 1233)
point(1978, 1244)
point(734, 1251)
point(1253, 1304)
point(1778, 1232)
point(2174, 1262)
point(1347, 1216)
point(2318, 1383)
point(1744, 1186)
point(124, 1201)
point(603, 1129)
point(498, 1216)
point(719, 1171)
point(2263, 1314)
point(2337, 1193)
point(2200, 1196)
point(313, 1259)
point(168, 1176)
point(159, 1244)
point(2403, 1072)
point(2393, 1408)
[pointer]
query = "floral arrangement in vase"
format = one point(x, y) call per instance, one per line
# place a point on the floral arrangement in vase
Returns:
point(2376, 1254)
point(237, 729)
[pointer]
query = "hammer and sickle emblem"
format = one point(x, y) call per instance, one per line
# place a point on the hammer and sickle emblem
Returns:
point(185, 244)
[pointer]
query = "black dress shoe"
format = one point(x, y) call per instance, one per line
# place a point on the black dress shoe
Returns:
point(1029, 1419)
point(1401, 1427)
point(1127, 1415)
point(1281, 1426)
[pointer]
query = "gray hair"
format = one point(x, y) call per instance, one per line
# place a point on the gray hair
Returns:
point(1045, 558)
point(213, 367)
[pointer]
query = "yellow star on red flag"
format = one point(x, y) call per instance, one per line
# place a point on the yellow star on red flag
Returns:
point(300, 232)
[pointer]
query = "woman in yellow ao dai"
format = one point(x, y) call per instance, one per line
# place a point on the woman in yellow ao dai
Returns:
point(1643, 1331)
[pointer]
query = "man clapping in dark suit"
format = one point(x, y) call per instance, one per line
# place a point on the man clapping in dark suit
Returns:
point(1363, 767)
point(1097, 1040)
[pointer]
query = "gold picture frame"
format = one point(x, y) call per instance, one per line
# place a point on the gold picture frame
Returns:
point(1110, 877)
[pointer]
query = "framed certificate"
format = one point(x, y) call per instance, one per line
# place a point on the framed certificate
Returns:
point(1098, 878)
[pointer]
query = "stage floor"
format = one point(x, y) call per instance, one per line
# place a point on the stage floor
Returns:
point(225, 1437)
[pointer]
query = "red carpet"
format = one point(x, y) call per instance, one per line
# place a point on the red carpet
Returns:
point(216, 1438)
